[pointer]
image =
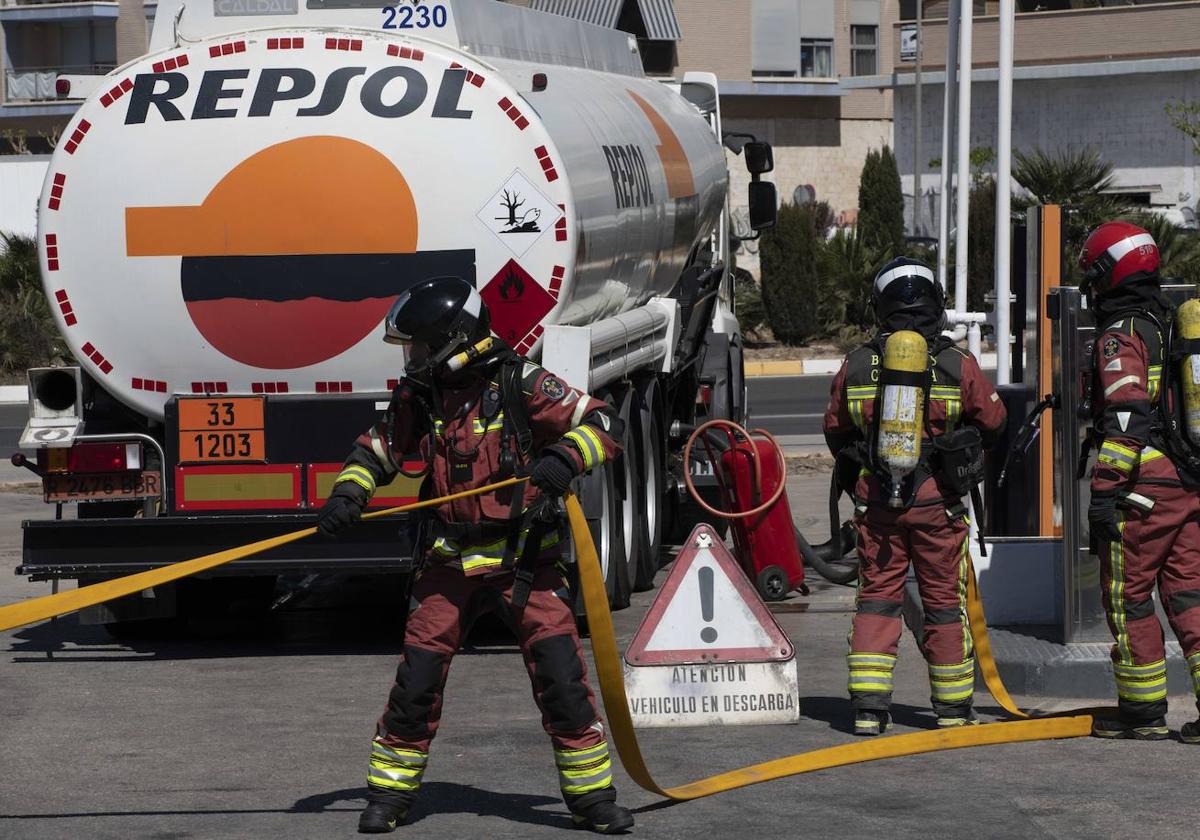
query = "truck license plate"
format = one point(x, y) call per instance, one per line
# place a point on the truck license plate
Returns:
point(214, 430)
point(101, 486)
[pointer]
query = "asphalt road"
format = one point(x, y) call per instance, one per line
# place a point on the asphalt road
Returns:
point(788, 405)
point(259, 728)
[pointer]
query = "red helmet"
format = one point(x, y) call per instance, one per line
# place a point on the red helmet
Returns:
point(1115, 253)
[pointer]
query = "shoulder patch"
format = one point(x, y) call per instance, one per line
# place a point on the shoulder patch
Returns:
point(1111, 348)
point(552, 388)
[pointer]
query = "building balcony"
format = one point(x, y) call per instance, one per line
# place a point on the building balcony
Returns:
point(54, 11)
point(1073, 36)
point(23, 85)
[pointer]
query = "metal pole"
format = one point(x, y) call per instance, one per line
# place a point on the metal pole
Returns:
point(918, 168)
point(946, 182)
point(963, 189)
point(1004, 192)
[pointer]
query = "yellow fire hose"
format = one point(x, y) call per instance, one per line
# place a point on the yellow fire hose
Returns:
point(608, 666)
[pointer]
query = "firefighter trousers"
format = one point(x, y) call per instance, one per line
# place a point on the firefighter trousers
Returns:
point(934, 541)
point(1160, 546)
point(445, 602)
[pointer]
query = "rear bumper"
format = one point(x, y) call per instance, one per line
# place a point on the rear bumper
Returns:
point(111, 547)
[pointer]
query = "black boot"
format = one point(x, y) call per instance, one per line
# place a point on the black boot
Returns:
point(381, 818)
point(871, 722)
point(1134, 730)
point(603, 817)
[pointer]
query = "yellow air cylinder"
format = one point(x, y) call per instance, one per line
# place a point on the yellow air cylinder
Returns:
point(1188, 317)
point(901, 415)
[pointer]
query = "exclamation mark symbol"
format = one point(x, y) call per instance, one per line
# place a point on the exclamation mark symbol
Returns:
point(708, 634)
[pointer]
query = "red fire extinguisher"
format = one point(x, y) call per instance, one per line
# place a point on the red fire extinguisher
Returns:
point(751, 474)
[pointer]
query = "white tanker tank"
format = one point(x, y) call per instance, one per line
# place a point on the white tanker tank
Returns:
point(235, 212)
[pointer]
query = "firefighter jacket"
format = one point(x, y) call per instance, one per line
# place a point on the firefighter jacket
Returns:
point(959, 395)
point(1126, 390)
point(462, 441)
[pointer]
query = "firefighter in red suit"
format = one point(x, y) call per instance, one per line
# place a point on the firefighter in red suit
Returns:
point(477, 413)
point(1143, 512)
point(931, 530)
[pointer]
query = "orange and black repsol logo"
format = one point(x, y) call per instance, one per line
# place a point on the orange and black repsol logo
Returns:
point(295, 255)
point(389, 92)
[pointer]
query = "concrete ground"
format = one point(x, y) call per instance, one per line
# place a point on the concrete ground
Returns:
point(260, 729)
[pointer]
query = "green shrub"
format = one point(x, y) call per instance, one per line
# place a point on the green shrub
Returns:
point(747, 301)
point(881, 202)
point(790, 280)
point(28, 335)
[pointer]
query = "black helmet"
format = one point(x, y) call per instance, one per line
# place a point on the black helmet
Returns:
point(444, 313)
point(906, 296)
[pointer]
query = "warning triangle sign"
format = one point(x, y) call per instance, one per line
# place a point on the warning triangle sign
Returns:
point(707, 611)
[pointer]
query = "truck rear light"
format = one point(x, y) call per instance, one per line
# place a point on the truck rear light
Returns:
point(62, 87)
point(92, 458)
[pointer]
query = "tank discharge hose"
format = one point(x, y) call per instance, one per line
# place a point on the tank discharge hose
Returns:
point(1070, 724)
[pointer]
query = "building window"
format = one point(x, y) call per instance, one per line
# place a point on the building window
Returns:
point(864, 50)
point(816, 58)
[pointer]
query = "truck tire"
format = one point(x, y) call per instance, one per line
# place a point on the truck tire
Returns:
point(602, 505)
point(654, 476)
point(630, 470)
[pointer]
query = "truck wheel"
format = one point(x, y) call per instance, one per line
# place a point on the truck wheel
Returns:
point(653, 474)
point(630, 468)
point(602, 506)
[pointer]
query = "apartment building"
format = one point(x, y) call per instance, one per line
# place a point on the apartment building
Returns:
point(41, 39)
point(1100, 75)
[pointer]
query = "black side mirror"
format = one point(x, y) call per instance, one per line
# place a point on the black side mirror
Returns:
point(763, 207)
point(759, 157)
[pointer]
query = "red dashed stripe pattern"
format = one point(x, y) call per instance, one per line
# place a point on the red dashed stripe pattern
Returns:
point(92, 353)
point(118, 90)
point(52, 251)
point(397, 51)
point(64, 304)
point(353, 45)
point(77, 136)
point(556, 280)
point(527, 344)
point(155, 385)
point(285, 43)
point(334, 387)
point(472, 77)
point(210, 387)
point(543, 157)
point(513, 112)
point(269, 387)
point(560, 227)
point(56, 191)
point(229, 48)
point(172, 63)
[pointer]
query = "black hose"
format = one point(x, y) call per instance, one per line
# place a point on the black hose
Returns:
point(829, 560)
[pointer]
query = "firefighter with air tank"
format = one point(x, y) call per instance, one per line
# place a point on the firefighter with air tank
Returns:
point(478, 413)
point(1144, 512)
point(909, 416)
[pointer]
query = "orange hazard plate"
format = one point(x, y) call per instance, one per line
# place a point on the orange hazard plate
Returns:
point(221, 429)
point(120, 486)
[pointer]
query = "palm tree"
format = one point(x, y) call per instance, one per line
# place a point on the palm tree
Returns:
point(1178, 248)
point(1077, 179)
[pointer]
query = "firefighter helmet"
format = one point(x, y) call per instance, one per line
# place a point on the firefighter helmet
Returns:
point(906, 296)
point(444, 313)
point(1116, 254)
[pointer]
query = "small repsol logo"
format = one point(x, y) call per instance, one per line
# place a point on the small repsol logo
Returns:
point(631, 181)
point(389, 92)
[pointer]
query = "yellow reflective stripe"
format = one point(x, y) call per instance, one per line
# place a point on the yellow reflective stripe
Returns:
point(1117, 456)
point(1149, 453)
point(359, 475)
point(1141, 683)
point(1116, 597)
point(595, 439)
point(494, 426)
point(871, 672)
point(1194, 666)
point(566, 758)
point(862, 391)
point(964, 569)
point(581, 771)
point(856, 412)
point(588, 444)
point(1118, 449)
point(395, 769)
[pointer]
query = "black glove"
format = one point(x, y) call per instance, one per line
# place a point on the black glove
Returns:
point(337, 514)
point(1102, 518)
point(552, 473)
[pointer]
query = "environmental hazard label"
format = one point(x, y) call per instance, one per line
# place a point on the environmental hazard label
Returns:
point(518, 214)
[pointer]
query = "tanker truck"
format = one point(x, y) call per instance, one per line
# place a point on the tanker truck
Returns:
point(227, 220)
